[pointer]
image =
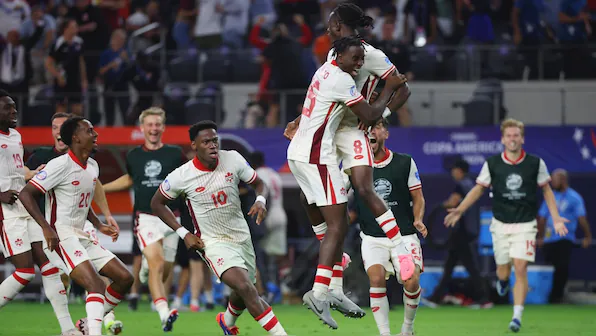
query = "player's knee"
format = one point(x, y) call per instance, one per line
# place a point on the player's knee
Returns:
point(377, 280)
point(412, 284)
point(303, 199)
point(126, 279)
point(98, 286)
point(245, 289)
point(521, 268)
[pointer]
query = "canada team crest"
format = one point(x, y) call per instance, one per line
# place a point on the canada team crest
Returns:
point(229, 177)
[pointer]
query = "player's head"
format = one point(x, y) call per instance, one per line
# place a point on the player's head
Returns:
point(8, 111)
point(57, 120)
point(78, 133)
point(205, 142)
point(349, 54)
point(153, 124)
point(347, 19)
point(377, 136)
point(69, 28)
point(559, 179)
point(257, 159)
point(512, 134)
point(460, 169)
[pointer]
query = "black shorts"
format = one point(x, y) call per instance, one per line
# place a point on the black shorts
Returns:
point(183, 256)
point(136, 251)
point(71, 93)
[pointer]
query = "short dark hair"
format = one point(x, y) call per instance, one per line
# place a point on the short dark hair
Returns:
point(60, 115)
point(461, 164)
point(194, 130)
point(344, 43)
point(353, 16)
point(257, 159)
point(4, 93)
point(69, 128)
point(384, 122)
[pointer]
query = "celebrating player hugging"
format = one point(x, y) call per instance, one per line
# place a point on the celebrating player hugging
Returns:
point(209, 182)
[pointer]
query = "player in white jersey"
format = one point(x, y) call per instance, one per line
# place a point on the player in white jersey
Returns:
point(353, 149)
point(21, 238)
point(222, 237)
point(313, 161)
point(69, 183)
point(275, 242)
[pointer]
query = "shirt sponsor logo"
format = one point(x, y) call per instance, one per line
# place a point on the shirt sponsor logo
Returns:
point(4, 146)
point(200, 189)
point(75, 183)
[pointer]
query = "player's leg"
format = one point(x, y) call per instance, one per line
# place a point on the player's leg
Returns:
point(133, 297)
point(376, 257)
point(560, 260)
point(170, 249)
point(411, 300)
point(502, 257)
point(182, 259)
point(197, 278)
point(207, 286)
point(522, 251)
point(155, 259)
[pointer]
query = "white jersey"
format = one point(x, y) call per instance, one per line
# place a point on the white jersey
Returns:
point(376, 65)
point(69, 187)
point(274, 186)
point(12, 172)
point(330, 92)
point(212, 196)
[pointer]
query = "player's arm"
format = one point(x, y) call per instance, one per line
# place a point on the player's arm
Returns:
point(583, 223)
point(541, 221)
point(108, 230)
point(29, 197)
point(483, 181)
point(292, 127)
point(30, 173)
point(452, 201)
point(122, 183)
point(543, 180)
point(50, 64)
point(418, 201)
point(369, 114)
point(99, 196)
point(249, 176)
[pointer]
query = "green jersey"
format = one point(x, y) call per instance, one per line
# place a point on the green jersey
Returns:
point(514, 186)
point(42, 155)
point(148, 168)
point(394, 177)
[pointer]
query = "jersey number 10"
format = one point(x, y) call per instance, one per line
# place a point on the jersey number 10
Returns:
point(220, 199)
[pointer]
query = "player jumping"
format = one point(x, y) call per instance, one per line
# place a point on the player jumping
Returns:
point(514, 177)
point(352, 144)
point(21, 237)
point(69, 182)
point(397, 181)
point(313, 161)
point(210, 184)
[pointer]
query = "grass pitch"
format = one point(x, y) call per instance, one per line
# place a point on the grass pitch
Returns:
point(28, 319)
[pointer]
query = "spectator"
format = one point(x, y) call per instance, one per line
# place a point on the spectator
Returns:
point(574, 29)
point(47, 23)
point(264, 8)
point(479, 24)
point(93, 32)
point(141, 18)
point(114, 12)
point(66, 64)
point(424, 13)
point(181, 30)
point(15, 68)
point(145, 77)
point(557, 249)
point(528, 33)
point(112, 65)
point(12, 15)
point(235, 21)
point(462, 240)
point(59, 10)
point(208, 27)
point(321, 48)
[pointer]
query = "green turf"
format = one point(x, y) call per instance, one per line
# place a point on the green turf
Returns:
point(35, 319)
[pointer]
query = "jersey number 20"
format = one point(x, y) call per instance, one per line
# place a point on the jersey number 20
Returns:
point(84, 201)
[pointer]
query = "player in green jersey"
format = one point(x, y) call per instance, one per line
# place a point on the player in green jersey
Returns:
point(514, 177)
point(147, 166)
point(396, 181)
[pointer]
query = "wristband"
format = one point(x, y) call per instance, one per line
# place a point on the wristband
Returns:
point(386, 113)
point(261, 199)
point(182, 231)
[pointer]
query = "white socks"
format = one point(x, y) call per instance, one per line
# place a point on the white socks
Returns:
point(113, 298)
point(337, 278)
point(95, 312)
point(232, 314)
point(518, 311)
point(161, 305)
point(322, 281)
point(12, 285)
point(411, 302)
point(380, 308)
point(269, 322)
point(56, 294)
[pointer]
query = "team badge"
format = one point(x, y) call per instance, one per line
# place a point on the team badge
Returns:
point(41, 175)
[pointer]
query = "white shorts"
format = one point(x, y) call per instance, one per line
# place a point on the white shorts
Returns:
point(17, 235)
point(221, 256)
point(377, 251)
point(513, 241)
point(275, 242)
point(321, 184)
point(73, 251)
point(150, 229)
point(353, 148)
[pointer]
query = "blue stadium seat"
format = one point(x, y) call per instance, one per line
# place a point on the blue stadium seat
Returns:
point(184, 69)
point(175, 96)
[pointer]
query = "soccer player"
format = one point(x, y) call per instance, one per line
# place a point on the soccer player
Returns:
point(68, 182)
point(514, 177)
point(397, 181)
point(352, 144)
point(147, 166)
point(42, 156)
point(21, 237)
point(210, 183)
point(313, 161)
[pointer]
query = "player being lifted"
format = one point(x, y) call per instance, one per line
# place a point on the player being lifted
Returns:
point(210, 184)
point(352, 144)
point(21, 237)
point(147, 166)
point(42, 156)
point(69, 182)
point(514, 177)
point(397, 181)
point(313, 161)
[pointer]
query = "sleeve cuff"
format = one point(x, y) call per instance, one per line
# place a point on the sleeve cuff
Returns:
point(165, 194)
point(416, 187)
point(38, 186)
point(388, 72)
point(354, 101)
point(545, 182)
point(253, 178)
point(486, 185)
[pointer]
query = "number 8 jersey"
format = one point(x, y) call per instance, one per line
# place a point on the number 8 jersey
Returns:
point(12, 172)
point(330, 92)
point(69, 186)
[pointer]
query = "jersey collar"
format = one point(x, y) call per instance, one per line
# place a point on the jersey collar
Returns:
point(385, 160)
point(334, 62)
point(201, 166)
point(76, 160)
point(5, 133)
point(511, 162)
